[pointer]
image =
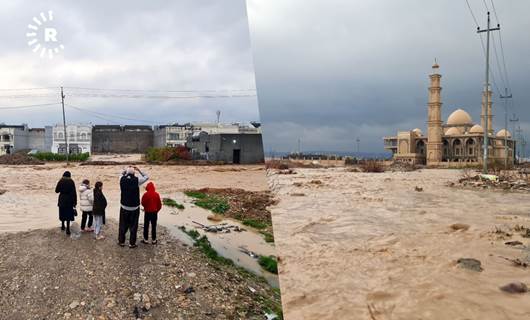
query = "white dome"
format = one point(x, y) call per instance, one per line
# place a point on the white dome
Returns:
point(418, 132)
point(453, 132)
point(459, 117)
point(502, 133)
point(476, 129)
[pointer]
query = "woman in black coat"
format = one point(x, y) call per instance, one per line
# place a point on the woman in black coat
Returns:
point(67, 200)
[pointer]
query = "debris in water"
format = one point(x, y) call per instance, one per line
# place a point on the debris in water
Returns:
point(297, 194)
point(470, 264)
point(515, 287)
point(459, 226)
point(219, 228)
point(215, 217)
point(271, 316)
point(517, 262)
point(513, 243)
point(248, 252)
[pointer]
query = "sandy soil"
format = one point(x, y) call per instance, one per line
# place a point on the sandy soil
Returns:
point(368, 246)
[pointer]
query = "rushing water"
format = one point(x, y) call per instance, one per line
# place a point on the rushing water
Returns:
point(30, 203)
point(368, 246)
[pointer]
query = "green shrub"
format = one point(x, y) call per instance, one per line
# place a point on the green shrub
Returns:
point(255, 224)
point(50, 156)
point(172, 203)
point(165, 154)
point(214, 204)
point(269, 237)
point(268, 263)
point(195, 194)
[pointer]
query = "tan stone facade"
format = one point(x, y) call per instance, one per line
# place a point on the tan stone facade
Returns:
point(457, 141)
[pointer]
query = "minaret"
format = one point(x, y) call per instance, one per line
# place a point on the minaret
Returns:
point(490, 115)
point(434, 123)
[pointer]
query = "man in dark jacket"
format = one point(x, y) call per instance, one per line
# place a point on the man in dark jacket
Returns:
point(67, 200)
point(130, 204)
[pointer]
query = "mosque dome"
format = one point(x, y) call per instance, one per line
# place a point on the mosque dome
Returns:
point(476, 129)
point(418, 132)
point(459, 117)
point(503, 132)
point(453, 132)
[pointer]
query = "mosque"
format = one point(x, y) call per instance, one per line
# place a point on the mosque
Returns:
point(457, 141)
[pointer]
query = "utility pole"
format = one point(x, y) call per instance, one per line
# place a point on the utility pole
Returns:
point(519, 134)
point(358, 141)
point(506, 96)
point(65, 133)
point(486, 90)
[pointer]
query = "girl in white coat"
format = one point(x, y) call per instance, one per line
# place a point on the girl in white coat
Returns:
point(86, 196)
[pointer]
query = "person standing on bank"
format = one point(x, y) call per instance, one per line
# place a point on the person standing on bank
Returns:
point(130, 204)
point(67, 200)
point(100, 204)
point(152, 204)
point(86, 201)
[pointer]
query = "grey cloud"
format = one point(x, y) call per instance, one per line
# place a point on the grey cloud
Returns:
point(155, 45)
point(344, 69)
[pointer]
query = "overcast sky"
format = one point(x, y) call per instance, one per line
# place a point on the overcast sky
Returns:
point(331, 71)
point(124, 44)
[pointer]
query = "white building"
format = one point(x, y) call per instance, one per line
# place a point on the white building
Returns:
point(13, 138)
point(79, 138)
point(172, 135)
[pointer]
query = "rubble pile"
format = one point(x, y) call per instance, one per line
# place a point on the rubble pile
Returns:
point(487, 181)
point(19, 159)
point(244, 204)
point(399, 166)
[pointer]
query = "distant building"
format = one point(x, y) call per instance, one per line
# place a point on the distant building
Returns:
point(172, 135)
point(212, 128)
point(236, 148)
point(121, 139)
point(13, 138)
point(79, 138)
point(457, 140)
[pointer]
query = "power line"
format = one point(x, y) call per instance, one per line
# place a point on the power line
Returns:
point(28, 106)
point(108, 114)
point(172, 91)
point(143, 96)
point(473, 15)
point(29, 89)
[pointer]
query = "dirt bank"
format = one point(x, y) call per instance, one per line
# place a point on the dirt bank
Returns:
point(399, 245)
point(46, 275)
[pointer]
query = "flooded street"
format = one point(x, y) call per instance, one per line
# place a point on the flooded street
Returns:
point(31, 203)
point(369, 246)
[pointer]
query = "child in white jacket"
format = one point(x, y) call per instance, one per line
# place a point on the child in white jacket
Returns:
point(86, 196)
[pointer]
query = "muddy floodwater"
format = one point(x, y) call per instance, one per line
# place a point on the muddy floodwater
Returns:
point(29, 201)
point(370, 246)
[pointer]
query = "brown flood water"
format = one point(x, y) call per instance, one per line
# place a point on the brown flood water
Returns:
point(31, 203)
point(368, 246)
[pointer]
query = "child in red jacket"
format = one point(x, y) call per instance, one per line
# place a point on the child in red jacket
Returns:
point(152, 204)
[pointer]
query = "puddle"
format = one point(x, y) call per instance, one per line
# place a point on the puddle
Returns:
point(226, 244)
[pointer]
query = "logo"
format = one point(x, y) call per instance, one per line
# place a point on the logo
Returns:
point(42, 36)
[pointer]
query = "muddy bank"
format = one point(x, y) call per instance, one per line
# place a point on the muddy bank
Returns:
point(399, 245)
point(46, 275)
point(243, 205)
